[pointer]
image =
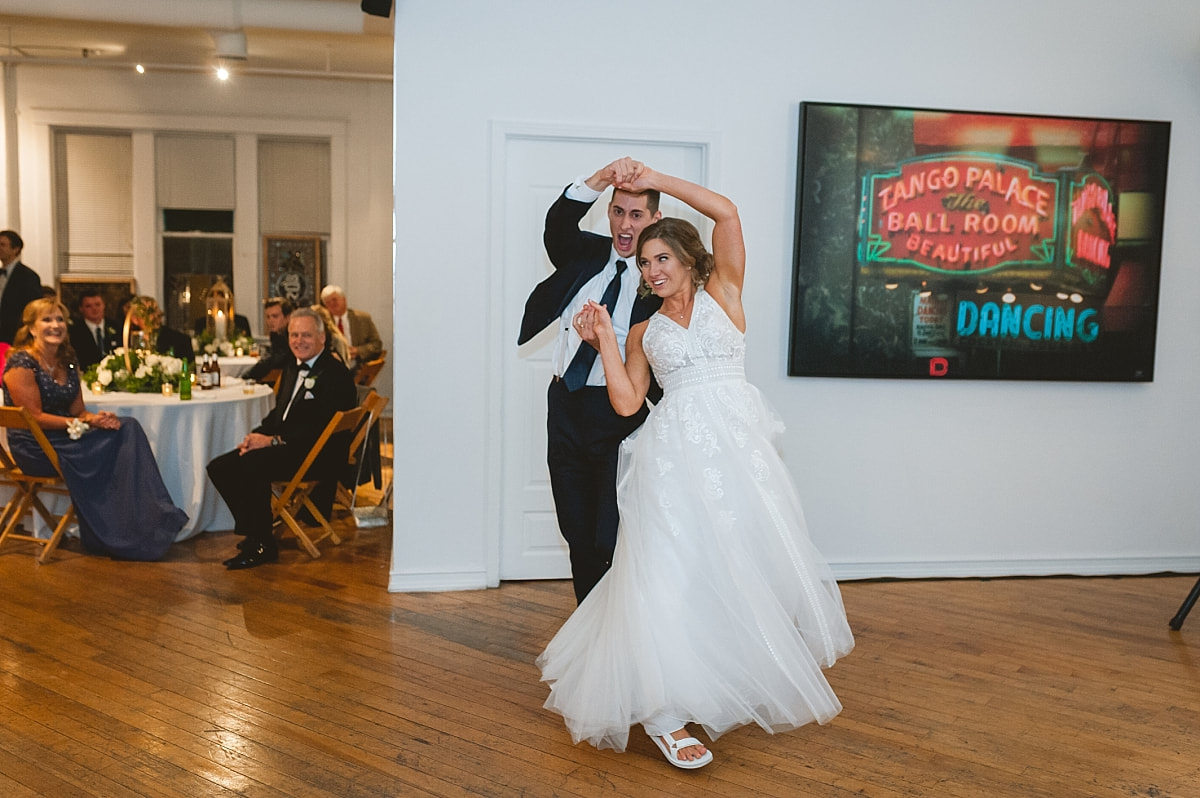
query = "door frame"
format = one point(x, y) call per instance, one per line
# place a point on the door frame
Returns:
point(503, 133)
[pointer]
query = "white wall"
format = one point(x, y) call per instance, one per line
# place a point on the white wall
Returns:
point(356, 116)
point(899, 477)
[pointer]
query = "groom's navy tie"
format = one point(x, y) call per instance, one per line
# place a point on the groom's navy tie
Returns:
point(581, 365)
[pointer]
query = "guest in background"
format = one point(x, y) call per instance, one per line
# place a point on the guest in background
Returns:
point(359, 329)
point(313, 387)
point(19, 285)
point(241, 326)
point(123, 506)
point(167, 341)
point(276, 312)
point(92, 335)
point(334, 340)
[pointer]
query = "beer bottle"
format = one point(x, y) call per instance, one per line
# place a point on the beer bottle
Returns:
point(185, 382)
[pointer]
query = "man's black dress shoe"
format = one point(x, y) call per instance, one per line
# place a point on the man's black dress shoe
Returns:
point(252, 557)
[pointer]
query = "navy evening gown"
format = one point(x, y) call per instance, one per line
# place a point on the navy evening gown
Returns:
point(123, 507)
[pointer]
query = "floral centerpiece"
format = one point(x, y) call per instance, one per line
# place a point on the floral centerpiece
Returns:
point(206, 343)
point(146, 373)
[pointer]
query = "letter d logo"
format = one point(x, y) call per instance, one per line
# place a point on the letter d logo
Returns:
point(938, 366)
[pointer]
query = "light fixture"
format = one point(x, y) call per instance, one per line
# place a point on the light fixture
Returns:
point(222, 73)
point(1036, 286)
point(230, 44)
point(141, 70)
point(891, 285)
point(925, 292)
point(1009, 297)
point(1061, 296)
point(981, 288)
point(1076, 298)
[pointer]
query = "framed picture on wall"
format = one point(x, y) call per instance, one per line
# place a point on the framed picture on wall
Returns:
point(292, 267)
point(115, 290)
point(954, 244)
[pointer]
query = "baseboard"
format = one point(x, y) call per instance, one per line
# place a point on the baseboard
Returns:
point(949, 569)
point(426, 582)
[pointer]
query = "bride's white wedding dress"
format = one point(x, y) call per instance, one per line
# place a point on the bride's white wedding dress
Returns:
point(717, 608)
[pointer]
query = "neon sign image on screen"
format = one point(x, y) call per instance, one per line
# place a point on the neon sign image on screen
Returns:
point(976, 245)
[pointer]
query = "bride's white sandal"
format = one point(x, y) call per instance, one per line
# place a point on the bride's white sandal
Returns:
point(671, 751)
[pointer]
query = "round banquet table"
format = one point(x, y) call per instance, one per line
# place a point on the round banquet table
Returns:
point(235, 366)
point(185, 436)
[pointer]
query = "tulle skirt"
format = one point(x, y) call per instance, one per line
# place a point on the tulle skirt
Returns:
point(717, 609)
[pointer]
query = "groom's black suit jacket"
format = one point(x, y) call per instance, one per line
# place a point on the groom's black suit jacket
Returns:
point(577, 256)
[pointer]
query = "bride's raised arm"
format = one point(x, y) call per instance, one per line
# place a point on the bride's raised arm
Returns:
point(729, 250)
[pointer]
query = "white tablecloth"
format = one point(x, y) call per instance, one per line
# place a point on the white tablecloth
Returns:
point(186, 435)
point(235, 366)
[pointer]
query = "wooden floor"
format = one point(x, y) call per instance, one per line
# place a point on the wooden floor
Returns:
point(306, 678)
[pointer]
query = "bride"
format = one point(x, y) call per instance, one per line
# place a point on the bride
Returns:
point(718, 610)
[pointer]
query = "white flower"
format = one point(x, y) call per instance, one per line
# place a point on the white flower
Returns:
point(75, 428)
point(142, 371)
point(210, 348)
point(104, 376)
point(152, 360)
point(171, 366)
point(226, 348)
point(309, 382)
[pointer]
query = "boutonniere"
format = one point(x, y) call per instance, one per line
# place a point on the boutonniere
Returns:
point(310, 383)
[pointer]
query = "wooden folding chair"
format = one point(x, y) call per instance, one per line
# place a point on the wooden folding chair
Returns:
point(272, 378)
point(374, 403)
point(26, 488)
point(289, 497)
point(367, 372)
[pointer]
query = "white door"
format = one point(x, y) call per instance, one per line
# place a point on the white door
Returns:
point(533, 169)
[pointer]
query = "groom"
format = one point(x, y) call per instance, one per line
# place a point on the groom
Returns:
point(583, 431)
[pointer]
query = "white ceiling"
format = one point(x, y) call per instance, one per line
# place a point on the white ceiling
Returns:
point(304, 37)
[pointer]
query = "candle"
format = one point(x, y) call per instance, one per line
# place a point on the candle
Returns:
point(219, 326)
point(167, 389)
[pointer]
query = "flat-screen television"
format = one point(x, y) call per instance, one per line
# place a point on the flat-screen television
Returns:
point(967, 245)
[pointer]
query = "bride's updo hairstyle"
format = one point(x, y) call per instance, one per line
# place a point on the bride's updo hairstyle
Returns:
point(684, 240)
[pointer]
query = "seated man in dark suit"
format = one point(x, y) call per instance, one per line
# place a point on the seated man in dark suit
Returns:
point(241, 326)
point(314, 387)
point(172, 342)
point(276, 311)
point(92, 335)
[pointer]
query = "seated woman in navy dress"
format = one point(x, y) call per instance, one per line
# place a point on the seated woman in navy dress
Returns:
point(123, 507)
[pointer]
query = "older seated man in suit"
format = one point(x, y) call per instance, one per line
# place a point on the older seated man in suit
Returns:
point(92, 335)
point(313, 387)
point(358, 327)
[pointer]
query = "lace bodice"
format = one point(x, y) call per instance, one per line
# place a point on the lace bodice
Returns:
point(711, 348)
point(56, 399)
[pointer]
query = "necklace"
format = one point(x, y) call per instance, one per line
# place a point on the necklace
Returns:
point(48, 366)
point(686, 306)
